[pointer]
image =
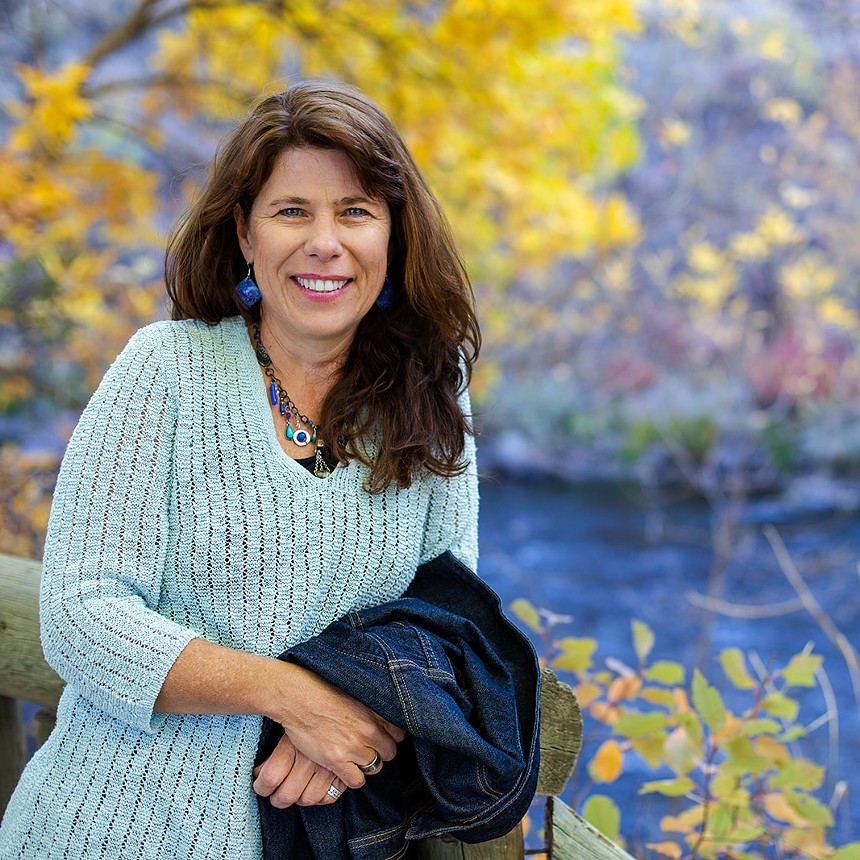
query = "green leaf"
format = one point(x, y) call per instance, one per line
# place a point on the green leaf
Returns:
point(633, 724)
point(657, 696)
point(780, 705)
point(728, 789)
point(601, 812)
point(669, 787)
point(761, 726)
point(576, 654)
point(643, 639)
point(680, 752)
point(666, 672)
point(851, 851)
point(708, 702)
point(811, 809)
point(692, 725)
point(800, 671)
point(650, 749)
point(527, 613)
point(798, 773)
point(720, 821)
point(743, 759)
point(792, 733)
point(734, 665)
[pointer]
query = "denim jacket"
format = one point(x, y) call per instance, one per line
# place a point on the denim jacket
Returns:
point(443, 663)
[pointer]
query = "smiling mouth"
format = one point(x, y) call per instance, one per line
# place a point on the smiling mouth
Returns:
point(321, 285)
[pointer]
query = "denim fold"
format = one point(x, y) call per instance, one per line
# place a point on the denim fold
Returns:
point(443, 663)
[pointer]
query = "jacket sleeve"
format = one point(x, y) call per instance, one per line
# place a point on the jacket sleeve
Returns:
point(107, 542)
point(452, 520)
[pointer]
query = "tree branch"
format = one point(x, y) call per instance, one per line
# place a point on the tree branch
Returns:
point(813, 607)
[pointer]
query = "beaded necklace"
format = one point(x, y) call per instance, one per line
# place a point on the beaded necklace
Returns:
point(305, 431)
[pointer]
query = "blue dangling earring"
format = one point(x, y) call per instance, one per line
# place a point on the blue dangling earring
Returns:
point(386, 296)
point(247, 292)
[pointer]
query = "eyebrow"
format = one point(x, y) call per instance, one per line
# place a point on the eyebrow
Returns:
point(344, 201)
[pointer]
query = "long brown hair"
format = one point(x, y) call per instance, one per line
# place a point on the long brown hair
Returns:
point(407, 364)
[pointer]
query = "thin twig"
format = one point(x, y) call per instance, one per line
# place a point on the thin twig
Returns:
point(832, 716)
point(743, 610)
point(813, 607)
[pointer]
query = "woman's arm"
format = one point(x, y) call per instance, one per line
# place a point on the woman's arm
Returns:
point(107, 540)
point(321, 722)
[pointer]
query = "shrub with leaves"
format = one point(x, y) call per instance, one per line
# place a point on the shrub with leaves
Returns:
point(737, 785)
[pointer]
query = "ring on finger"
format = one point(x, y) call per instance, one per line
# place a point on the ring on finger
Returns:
point(374, 766)
point(334, 791)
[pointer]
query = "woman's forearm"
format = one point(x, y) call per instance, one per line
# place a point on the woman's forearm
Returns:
point(212, 679)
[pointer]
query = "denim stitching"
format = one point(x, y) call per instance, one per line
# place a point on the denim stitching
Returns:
point(372, 838)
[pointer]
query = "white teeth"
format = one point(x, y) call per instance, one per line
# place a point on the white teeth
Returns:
point(320, 286)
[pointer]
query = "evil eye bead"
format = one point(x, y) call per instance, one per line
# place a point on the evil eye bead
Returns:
point(301, 437)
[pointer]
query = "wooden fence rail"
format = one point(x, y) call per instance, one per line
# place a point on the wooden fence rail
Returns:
point(25, 676)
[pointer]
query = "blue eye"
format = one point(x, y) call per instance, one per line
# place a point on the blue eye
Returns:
point(290, 211)
point(356, 211)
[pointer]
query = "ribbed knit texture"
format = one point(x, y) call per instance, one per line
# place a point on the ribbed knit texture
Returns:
point(177, 515)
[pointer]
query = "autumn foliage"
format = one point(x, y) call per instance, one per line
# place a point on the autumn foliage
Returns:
point(734, 784)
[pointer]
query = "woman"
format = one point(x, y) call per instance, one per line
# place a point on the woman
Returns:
point(282, 452)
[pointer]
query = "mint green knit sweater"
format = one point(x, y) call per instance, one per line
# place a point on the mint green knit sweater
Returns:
point(177, 515)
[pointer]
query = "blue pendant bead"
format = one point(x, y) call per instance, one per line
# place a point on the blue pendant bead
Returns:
point(247, 292)
point(305, 431)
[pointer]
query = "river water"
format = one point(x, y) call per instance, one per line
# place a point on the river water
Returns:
point(605, 555)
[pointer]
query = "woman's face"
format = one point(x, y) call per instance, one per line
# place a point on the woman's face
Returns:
point(319, 245)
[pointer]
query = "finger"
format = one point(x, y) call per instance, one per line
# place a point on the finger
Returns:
point(373, 764)
point(396, 732)
point(317, 792)
point(272, 772)
point(336, 785)
point(293, 788)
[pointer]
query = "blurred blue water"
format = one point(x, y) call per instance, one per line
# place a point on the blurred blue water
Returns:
point(605, 555)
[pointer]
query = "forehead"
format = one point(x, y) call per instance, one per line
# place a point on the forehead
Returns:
point(311, 172)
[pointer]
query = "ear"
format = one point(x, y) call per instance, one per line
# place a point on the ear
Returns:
point(242, 233)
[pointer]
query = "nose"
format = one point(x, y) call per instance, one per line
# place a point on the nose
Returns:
point(323, 240)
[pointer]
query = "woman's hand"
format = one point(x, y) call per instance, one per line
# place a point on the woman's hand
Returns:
point(288, 776)
point(322, 722)
point(331, 728)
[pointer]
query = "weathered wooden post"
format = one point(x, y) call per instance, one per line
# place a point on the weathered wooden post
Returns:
point(24, 674)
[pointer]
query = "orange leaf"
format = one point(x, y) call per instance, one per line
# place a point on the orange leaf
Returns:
point(667, 849)
point(624, 688)
point(609, 714)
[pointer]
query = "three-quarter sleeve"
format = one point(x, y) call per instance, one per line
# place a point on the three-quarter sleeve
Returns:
point(107, 540)
point(452, 520)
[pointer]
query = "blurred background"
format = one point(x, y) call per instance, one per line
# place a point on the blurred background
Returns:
point(659, 204)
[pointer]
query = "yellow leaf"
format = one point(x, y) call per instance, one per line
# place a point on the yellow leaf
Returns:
point(608, 762)
point(778, 807)
point(684, 822)
point(53, 107)
point(787, 112)
point(586, 693)
point(667, 849)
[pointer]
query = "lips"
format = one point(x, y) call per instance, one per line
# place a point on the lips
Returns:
point(321, 285)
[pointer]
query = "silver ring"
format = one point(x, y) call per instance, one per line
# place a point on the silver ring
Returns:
point(334, 792)
point(373, 766)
